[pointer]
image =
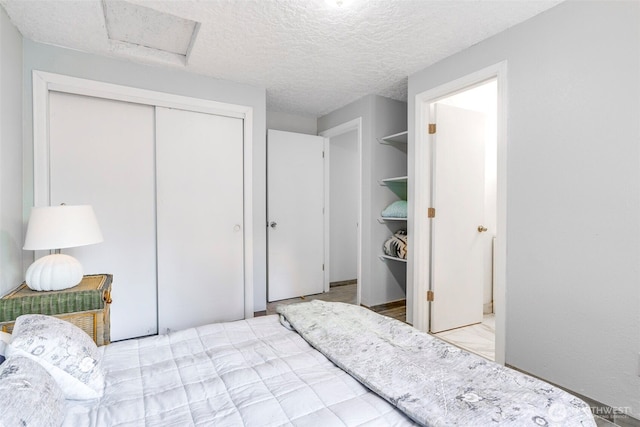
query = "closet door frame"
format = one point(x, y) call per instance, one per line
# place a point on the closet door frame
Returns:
point(44, 83)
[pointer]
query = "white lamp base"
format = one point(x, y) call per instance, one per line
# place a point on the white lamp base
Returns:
point(53, 273)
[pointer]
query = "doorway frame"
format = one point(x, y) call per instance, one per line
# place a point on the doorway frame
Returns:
point(46, 82)
point(420, 193)
point(355, 124)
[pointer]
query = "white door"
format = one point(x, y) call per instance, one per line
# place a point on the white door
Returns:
point(200, 218)
point(102, 154)
point(295, 194)
point(458, 192)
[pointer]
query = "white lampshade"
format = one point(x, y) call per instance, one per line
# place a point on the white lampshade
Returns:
point(58, 227)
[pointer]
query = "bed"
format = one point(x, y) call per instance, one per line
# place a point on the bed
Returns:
point(316, 364)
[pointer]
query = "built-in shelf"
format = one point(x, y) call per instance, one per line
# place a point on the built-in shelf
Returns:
point(398, 185)
point(392, 258)
point(396, 138)
point(399, 180)
point(384, 219)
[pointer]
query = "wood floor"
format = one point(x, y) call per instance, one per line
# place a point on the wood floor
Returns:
point(346, 293)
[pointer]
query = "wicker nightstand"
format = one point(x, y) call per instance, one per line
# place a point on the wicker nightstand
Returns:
point(86, 305)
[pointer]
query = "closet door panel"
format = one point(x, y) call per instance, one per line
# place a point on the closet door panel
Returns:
point(102, 153)
point(199, 168)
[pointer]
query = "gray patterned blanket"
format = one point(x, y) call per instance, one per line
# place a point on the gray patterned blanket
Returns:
point(434, 383)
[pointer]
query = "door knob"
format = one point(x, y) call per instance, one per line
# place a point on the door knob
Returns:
point(481, 228)
point(273, 224)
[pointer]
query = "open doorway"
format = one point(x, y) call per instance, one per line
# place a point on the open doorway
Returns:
point(343, 206)
point(464, 177)
point(422, 158)
point(342, 157)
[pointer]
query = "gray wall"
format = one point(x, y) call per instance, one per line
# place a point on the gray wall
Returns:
point(73, 63)
point(11, 273)
point(381, 281)
point(292, 123)
point(573, 198)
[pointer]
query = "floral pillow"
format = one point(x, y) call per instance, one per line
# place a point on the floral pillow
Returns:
point(29, 395)
point(64, 350)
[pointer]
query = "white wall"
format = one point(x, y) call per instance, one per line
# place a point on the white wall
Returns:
point(343, 211)
point(11, 273)
point(573, 196)
point(381, 282)
point(64, 61)
point(292, 123)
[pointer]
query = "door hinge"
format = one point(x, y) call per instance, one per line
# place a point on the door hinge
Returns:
point(431, 212)
point(432, 128)
point(322, 267)
point(429, 296)
point(323, 154)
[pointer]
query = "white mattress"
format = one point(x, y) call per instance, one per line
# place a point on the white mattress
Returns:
point(252, 372)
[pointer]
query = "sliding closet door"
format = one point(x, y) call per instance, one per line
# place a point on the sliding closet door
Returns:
point(199, 168)
point(102, 153)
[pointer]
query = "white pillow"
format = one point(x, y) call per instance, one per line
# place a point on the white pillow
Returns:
point(5, 339)
point(64, 350)
point(29, 396)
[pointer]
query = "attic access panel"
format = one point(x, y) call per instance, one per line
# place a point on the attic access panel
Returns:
point(143, 26)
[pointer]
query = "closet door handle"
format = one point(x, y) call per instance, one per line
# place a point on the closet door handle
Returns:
point(273, 224)
point(482, 228)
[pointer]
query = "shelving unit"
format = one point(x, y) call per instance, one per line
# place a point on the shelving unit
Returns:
point(398, 180)
point(384, 219)
point(398, 185)
point(391, 258)
point(396, 138)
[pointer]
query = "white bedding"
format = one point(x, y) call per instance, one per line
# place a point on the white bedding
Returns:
point(433, 382)
point(252, 372)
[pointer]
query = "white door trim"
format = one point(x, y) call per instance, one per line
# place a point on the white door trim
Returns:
point(44, 82)
point(421, 196)
point(355, 124)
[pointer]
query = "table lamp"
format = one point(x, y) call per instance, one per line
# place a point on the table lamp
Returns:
point(55, 228)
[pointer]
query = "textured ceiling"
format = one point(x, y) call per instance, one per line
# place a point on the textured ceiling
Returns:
point(310, 55)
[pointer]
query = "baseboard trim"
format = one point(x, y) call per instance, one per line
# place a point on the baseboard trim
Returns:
point(616, 415)
point(487, 308)
point(343, 283)
point(386, 306)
